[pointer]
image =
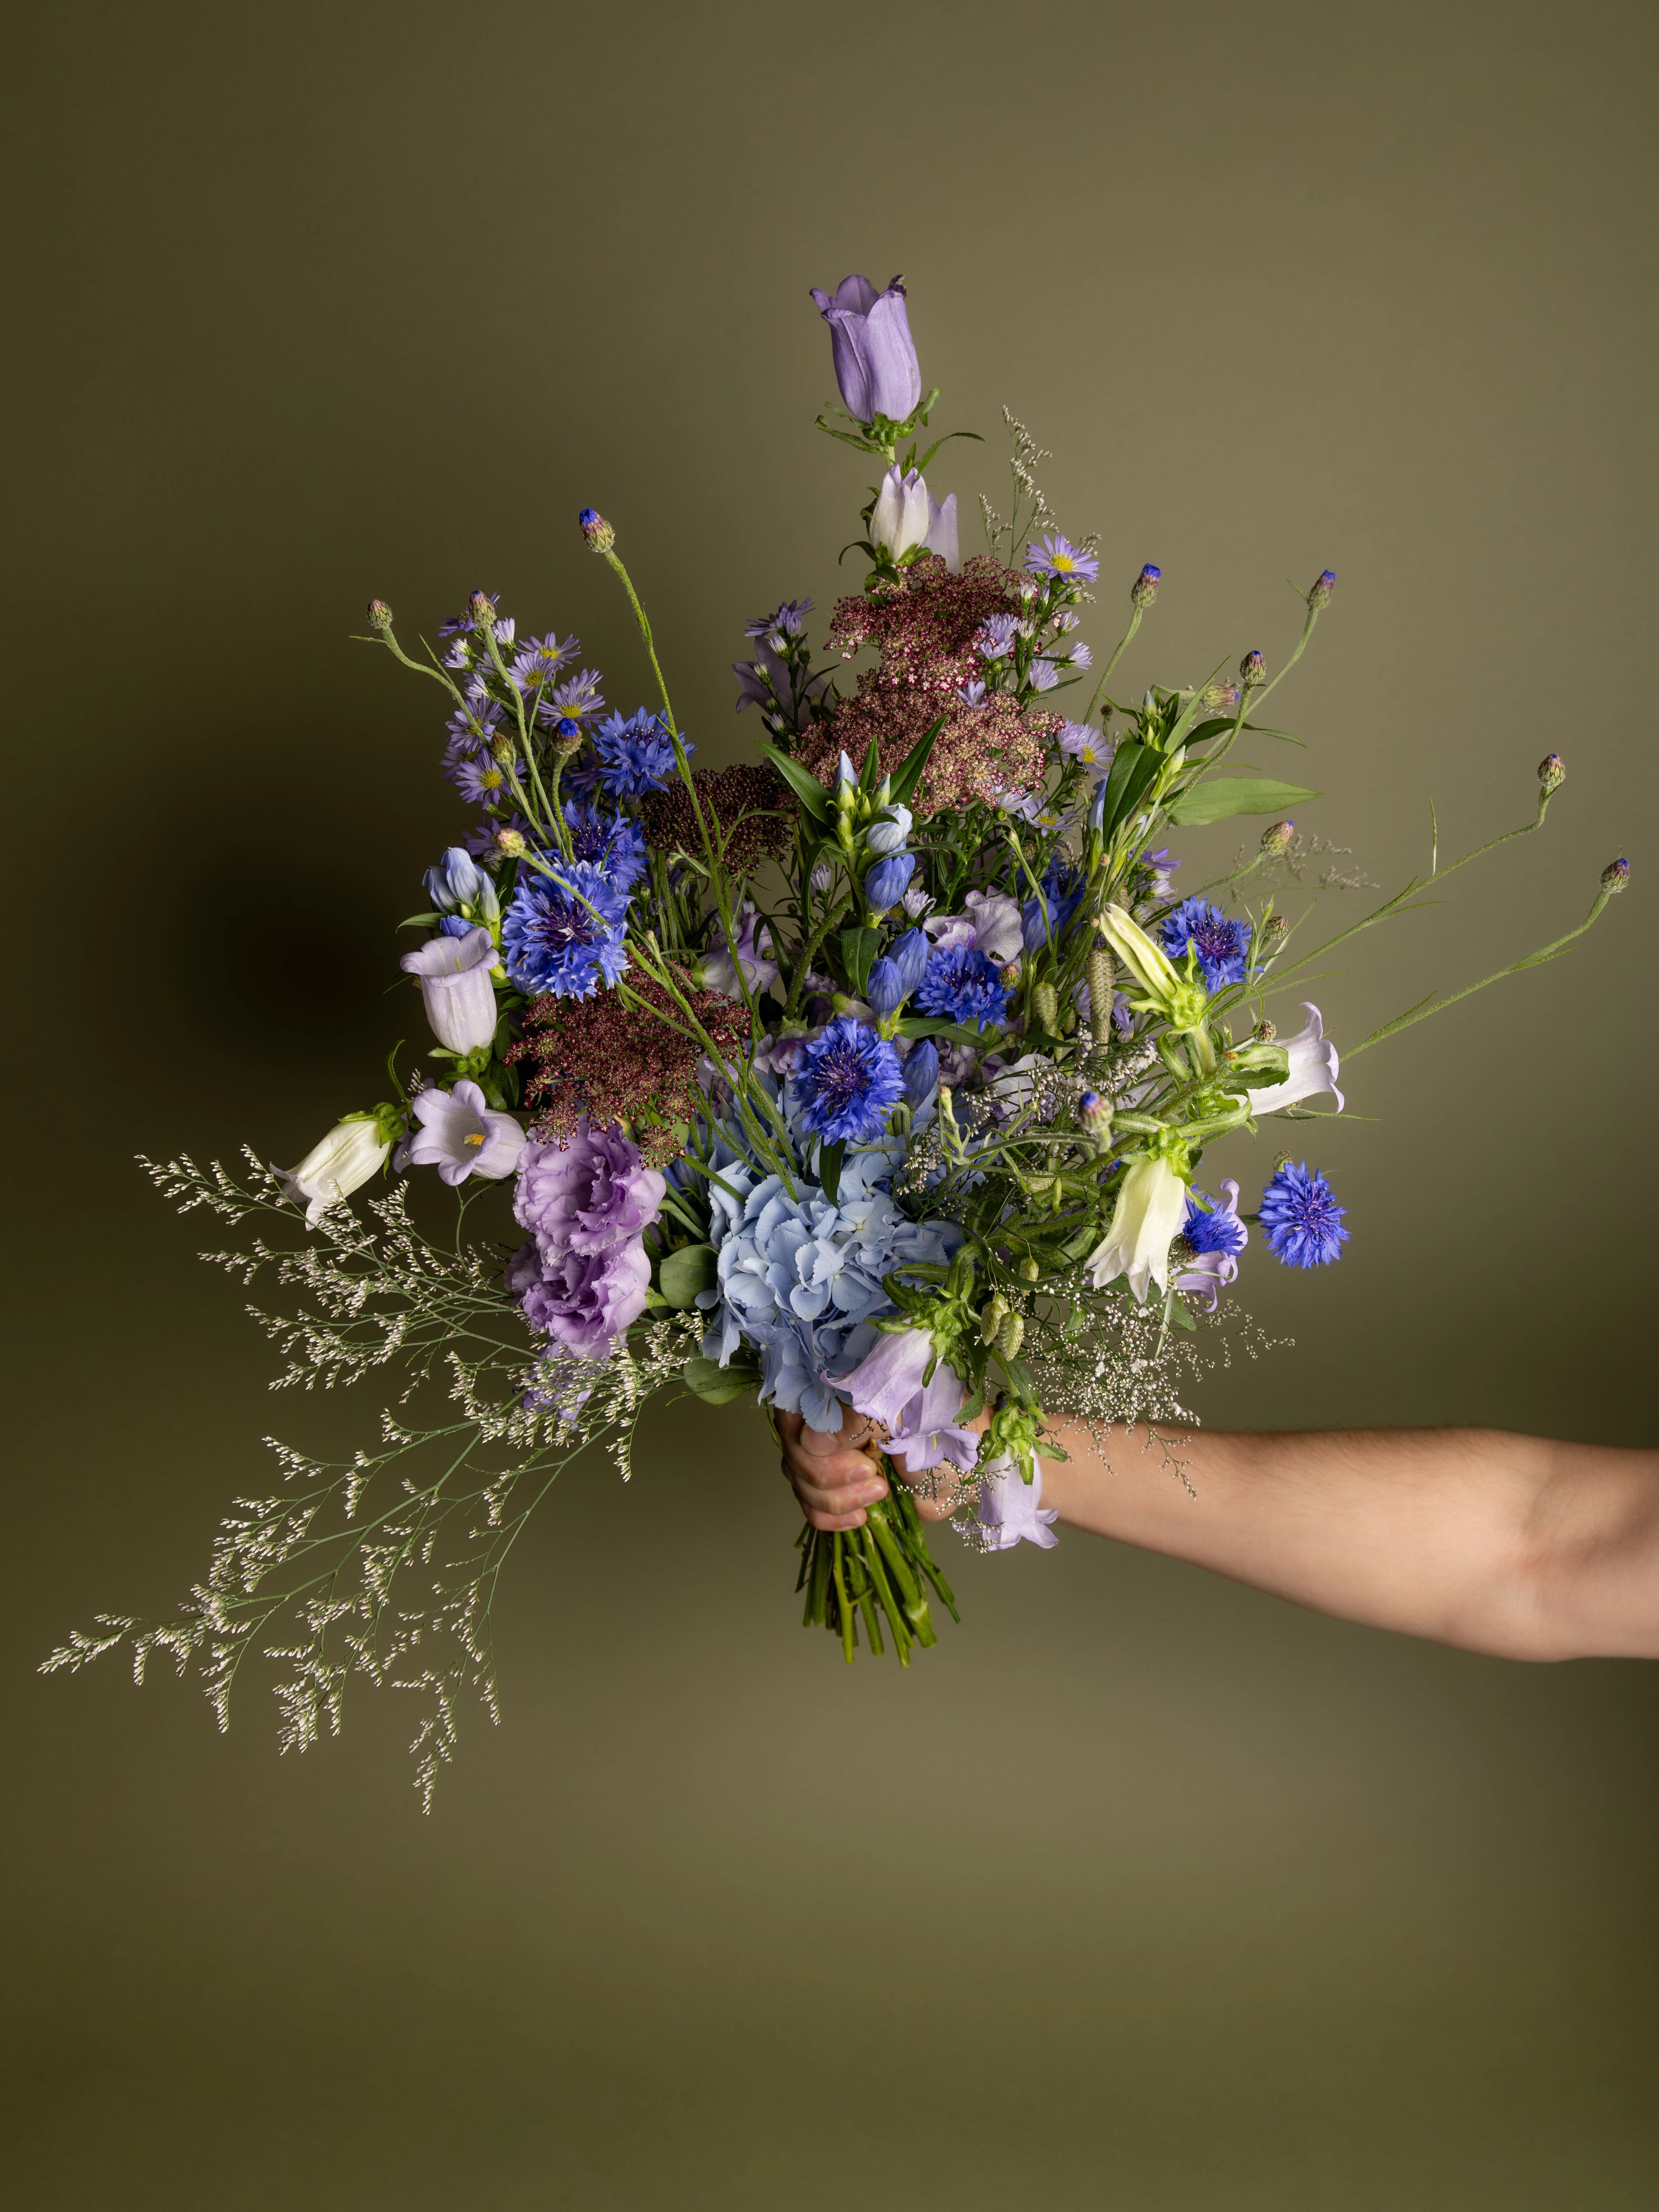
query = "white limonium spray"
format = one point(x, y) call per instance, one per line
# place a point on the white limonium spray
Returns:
point(1151, 1206)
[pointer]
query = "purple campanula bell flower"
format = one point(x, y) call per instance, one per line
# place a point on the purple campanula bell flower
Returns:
point(875, 357)
point(461, 1135)
point(455, 987)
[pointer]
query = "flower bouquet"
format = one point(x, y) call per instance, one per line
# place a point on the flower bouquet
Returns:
point(877, 1069)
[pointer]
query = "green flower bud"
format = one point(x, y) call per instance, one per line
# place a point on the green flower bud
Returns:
point(1011, 1336)
point(1265, 1030)
point(1252, 670)
point(1319, 591)
point(1276, 837)
point(1274, 931)
point(380, 615)
point(1550, 773)
point(1045, 1004)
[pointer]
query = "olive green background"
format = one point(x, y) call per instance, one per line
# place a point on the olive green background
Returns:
point(1143, 1891)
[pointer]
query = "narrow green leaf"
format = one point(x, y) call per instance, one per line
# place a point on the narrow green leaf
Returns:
point(1227, 795)
point(1133, 768)
point(807, 788)
point(858, 952)
point(419, 921)
point(830, 1160)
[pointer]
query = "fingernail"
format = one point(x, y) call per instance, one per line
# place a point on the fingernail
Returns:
point(871, 1493)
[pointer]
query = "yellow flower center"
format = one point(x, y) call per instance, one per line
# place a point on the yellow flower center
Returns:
point(473, 1138)
point(1063, 561)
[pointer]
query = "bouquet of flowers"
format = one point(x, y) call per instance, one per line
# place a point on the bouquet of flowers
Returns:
point(877, 1069)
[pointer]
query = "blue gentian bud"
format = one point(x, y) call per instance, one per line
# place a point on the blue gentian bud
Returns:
point(1252, 670)
point(887, 882)
point(1276, 837)
point(847, 785)
point(1550, 773)
point(1144, 590)
point(886, 989)
point(889, 833)
point(596, 530)
point(1319, 594)
point(380, 615)
point(910, 956)
point(1615, 875)
point(922, 1072)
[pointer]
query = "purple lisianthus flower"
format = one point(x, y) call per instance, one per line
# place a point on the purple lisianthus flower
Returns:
point(1223, 946)
point(1302, 1219)
point(563, 932)
point(455, 987)
point(874, 354)
point(588, 1194)
point(1058, 556)
point(461, 1135)
point(584, 1301)
point(962, 984)
point(920, 1418)
point(991, 926)
point(849, 1081)
point(1215, 1236)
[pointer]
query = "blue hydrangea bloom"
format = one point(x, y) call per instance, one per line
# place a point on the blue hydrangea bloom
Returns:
point(613, 843)
point(564, 933)
point(633, 756)
point(1223, 946)
point(1302, 1219)
point(962, 984)
point(848, 1082)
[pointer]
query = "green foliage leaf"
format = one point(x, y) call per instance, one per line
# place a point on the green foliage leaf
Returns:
point(687, 1272)
point(719, 1386)
point(831, 1159)
point(1226, 795)
point(807, 788)
point(1133, 766)
point(910, 774)
point(858, 953)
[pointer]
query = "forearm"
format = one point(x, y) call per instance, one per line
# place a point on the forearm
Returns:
point(1505, 1543)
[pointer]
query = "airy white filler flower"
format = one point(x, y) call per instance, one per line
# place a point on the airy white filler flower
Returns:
point(1313, 1069)
point(1151, 1206)
point(350, 1153)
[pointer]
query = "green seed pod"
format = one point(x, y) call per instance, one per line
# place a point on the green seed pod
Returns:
point(1011, 1336)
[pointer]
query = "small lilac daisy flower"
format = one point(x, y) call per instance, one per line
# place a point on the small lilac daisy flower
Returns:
point(994, 638)
point(541, 660)
point(789, 620)
point(1302, 1219)
point(575, 699)
point(483, 781)
point(962, 984)
point(481, 841)
point(1223, 946)
point(849, 1081)
point(1090, 748)
point(1043, 675)
point(1058, 556)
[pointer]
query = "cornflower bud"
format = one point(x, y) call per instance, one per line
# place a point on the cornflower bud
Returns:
point(1218, 696)
point(502, 751)
point(1274, 931)
point(1615, 875)
point(1009, 976)
point(596, 530)
point(511, 841)
point(380, 615)
point(482, 608)
point(1265, 1030)
point(1144, 590)
point(1319, 591)
point(1550, 773)
point(567, 734)
point(1252, 670)
point(1276, 837)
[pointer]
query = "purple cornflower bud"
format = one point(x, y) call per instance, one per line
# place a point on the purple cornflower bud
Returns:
point(512, 843)
point(1144, 590)
point(1219, 696)
point(1319, 593)
point(1093, 1111)
point(1252, 670)
point(1276, 837)
point(567, 734)
point(1615, 875)
point(380, 615)
point(1265, 1030)
point(1550, 773)
point(596, 530)
point(482, 608)
point(887, 882)
point(922, 1072)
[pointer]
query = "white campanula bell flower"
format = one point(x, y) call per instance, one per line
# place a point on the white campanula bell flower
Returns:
point(455, 987)
point(890, 832)
point(351, 1152)
point(906, 517)
point(1312, 1068)
point(1151, 1206)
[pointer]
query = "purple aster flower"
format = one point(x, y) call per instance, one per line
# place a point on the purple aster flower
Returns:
point(472, 729)
point(848, 1080)
point(1302, 1217)
point(962, 984)
point(576, 700)
point(461, 1136)
point(971, 693)
point(564, 932)
point(1223, 946)
point(994, 638)
point(1058, 556)
point(482, 840)
point(874, 354)
point(583, 1301)
point(1080, 656)
point(483, 782)
point(588, 1194)
point(613, 843)
point(541, 660)
point(1043, 674)
point(788, 621)
point(633, 756)
point(1091, 748)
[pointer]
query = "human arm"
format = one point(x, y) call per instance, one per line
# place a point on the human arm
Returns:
point(1515, 1546)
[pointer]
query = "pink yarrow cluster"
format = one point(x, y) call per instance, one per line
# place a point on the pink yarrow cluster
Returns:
point(586, 1202)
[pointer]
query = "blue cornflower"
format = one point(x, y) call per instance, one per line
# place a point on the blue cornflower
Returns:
point(1223, 946)
point(1058, 556)
point(848, 1080)
point(788, 621)
point(962, 985)
point(1219, 1229)
point(562, 933)
point(613, 843)
point(1302, 1217)
point(633, 755)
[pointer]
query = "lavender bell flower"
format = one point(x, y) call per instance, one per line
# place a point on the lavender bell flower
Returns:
point(718, 971)
point(1010, 1510)
point(344, 1160)
point(1314, 1066)
point(455, 987)
point(458, 887)
point(874, 354)
point(920, 1418)
point(460, 1135)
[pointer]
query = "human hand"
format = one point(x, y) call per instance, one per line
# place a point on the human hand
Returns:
point(837, 1476)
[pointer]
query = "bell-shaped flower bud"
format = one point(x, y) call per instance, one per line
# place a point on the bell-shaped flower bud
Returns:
point(886, 884)
point(869, 342)
point(455, 987)
point(909, 954)
point(922, 1073)
point(903, 515)
point(890, 832)
point(1179, 998)
point(353, 1151)
point(886, 989)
